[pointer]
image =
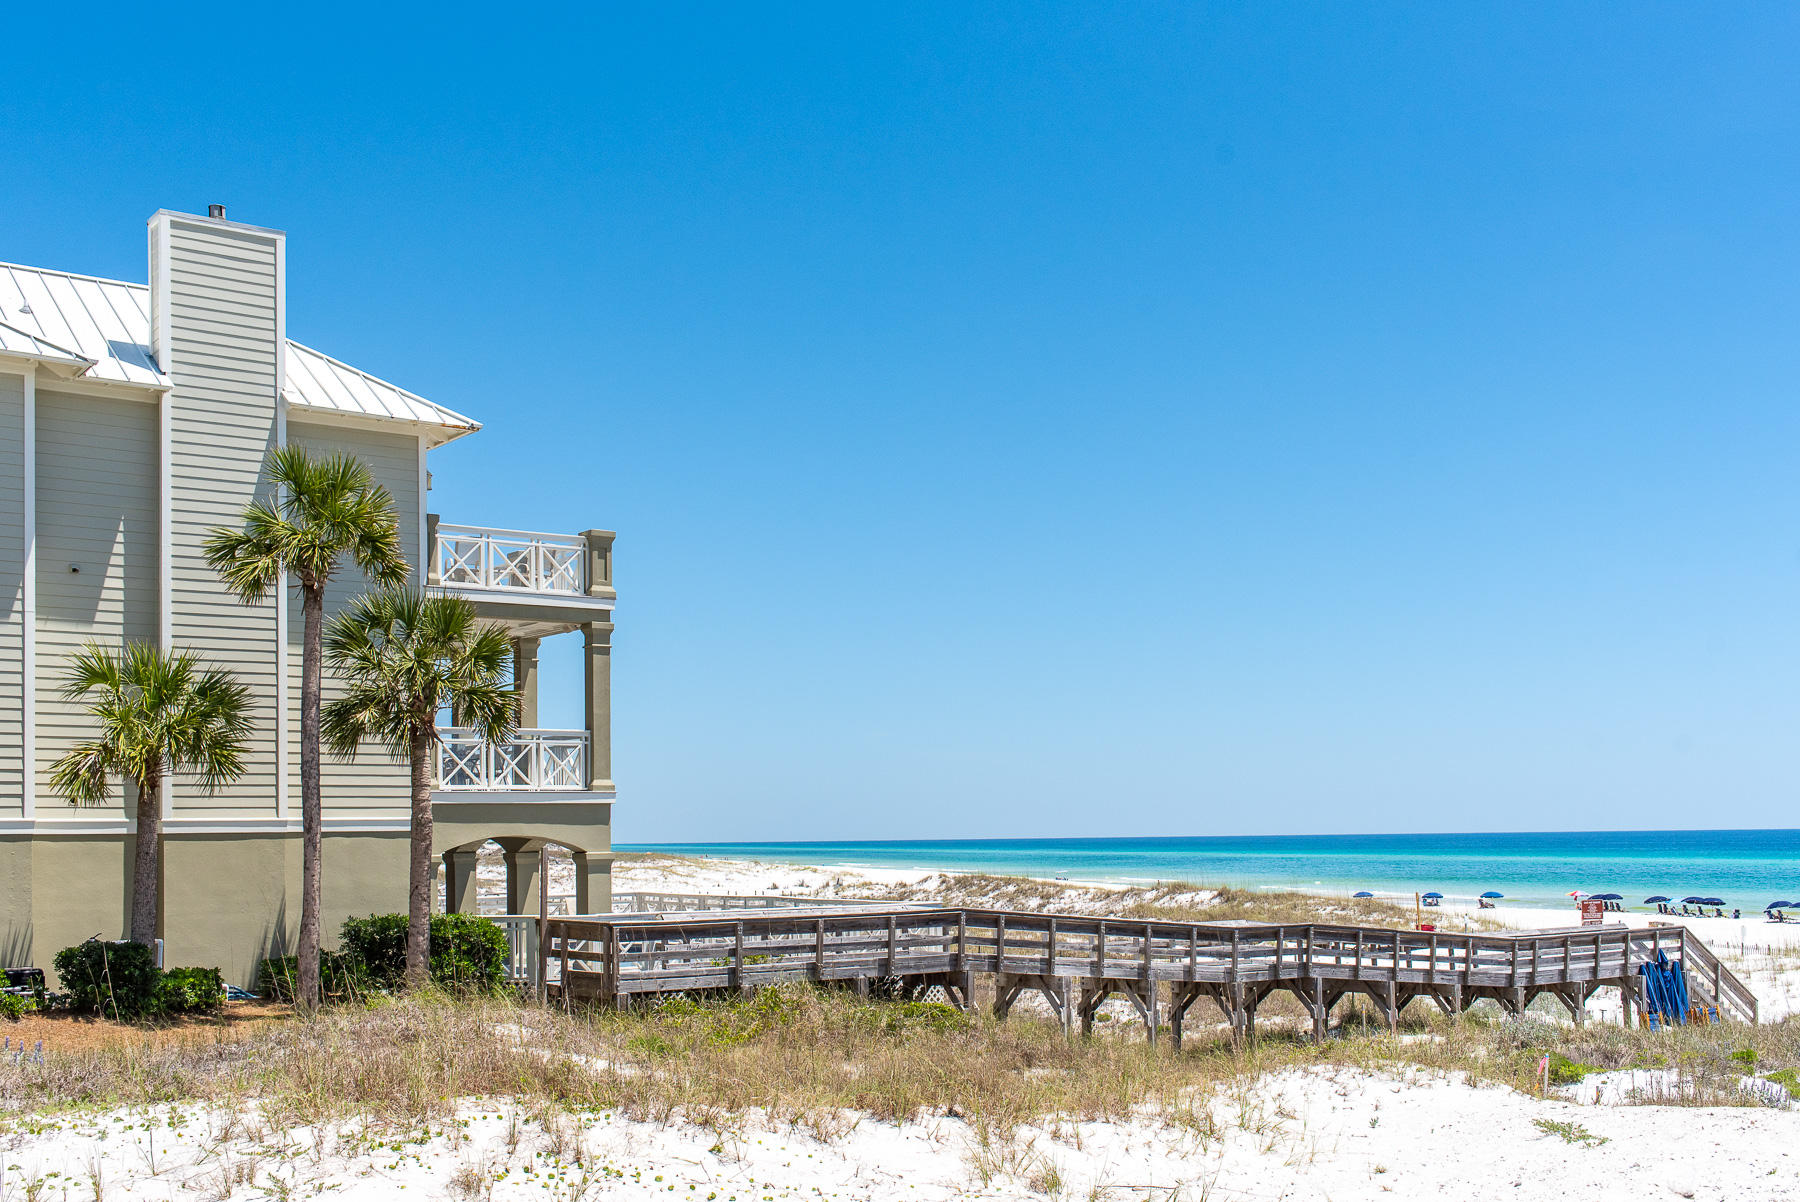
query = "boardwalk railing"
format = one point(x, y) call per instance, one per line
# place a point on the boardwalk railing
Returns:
point(612, 959)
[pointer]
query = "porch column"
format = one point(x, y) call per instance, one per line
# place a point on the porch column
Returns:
point(525, 681)
point(524, 877)
point(598, 637)
point(459, 882)
point(593, 883)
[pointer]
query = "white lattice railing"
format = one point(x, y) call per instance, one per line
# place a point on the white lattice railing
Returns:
point(515, 561)
point(530, 761)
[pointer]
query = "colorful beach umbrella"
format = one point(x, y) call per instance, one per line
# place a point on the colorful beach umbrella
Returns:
point(1491, 893)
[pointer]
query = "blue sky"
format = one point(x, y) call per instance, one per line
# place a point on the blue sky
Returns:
point(1150, 419)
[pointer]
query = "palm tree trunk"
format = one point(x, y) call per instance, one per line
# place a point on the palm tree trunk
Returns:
point(312, 817)
point(420, 876)
point(144, 874)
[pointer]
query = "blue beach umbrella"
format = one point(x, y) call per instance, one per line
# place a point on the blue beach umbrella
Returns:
point(1695, 901)
point(1651, 901)
point(1607, 896)
point(1432, 895)
point(1781, 905)
point(1362, 893)
point(1491, 893)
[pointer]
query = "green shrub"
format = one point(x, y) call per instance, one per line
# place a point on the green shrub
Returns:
point(14, 1006)
point(467, 952)
point(1789, 1080)
point(339, 976)
point(1564, 1071)
point(118, 980)
point(190, 991)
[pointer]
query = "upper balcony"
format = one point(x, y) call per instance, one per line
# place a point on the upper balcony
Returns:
point(536, 584)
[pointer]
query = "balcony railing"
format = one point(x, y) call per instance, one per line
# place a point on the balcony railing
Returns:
point(532, 761)
point(514, 561)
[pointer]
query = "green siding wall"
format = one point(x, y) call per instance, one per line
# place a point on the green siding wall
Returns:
point(222, 318)
point(12, 592)
point(96, 512)
point(372, 783)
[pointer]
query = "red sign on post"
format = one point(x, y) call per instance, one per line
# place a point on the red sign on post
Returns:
point(1593, 913)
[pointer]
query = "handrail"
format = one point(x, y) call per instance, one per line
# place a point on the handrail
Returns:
point(515, 561)
point(531, 761)
point(664, 951)
point(1718, 980)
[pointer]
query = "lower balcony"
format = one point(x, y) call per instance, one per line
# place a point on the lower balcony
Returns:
point(532, 761)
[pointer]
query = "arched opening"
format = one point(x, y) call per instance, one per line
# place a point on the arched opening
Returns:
point(505, 874)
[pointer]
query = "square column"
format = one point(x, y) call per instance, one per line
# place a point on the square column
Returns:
point(525, 681)
point(593, 883)
point(598, 664)
point(524, 878)
point(459, 883)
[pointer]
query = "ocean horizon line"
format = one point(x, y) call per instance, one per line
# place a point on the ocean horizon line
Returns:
point(948, 840)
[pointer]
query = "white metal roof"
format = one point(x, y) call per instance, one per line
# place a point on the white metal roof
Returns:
point(103, 320)
point(14, 341)
point(78, 320)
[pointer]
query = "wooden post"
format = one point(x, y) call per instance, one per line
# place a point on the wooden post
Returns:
point(737, 959)
point(819, 950)
point(1050, 952)
point(1193, 953)
point(1147, 946)
point(890, 945)
point(1099, 960)
point(564, 987)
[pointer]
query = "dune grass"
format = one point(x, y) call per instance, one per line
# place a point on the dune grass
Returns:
point(817, 1060)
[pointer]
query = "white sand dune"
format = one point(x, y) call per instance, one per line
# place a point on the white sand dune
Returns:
point(1326, 1134)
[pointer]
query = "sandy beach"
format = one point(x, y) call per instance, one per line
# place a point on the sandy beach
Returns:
point(1328, 1134)
point(1332, 1131)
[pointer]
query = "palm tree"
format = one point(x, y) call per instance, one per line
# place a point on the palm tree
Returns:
point(407, 655)
point(159, 714)
point(326, 508)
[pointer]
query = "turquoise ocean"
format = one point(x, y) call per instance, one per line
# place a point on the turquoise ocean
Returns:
point(1748, 868)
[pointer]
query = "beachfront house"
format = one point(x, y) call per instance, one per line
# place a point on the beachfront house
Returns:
point(134, 419)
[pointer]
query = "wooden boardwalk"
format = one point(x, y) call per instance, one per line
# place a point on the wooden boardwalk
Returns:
point(1078, 963)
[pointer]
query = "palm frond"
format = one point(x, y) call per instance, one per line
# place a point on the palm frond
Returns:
point(154, 713)
point(408, 654)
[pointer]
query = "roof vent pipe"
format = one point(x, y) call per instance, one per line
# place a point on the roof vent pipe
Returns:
point(216, 212)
